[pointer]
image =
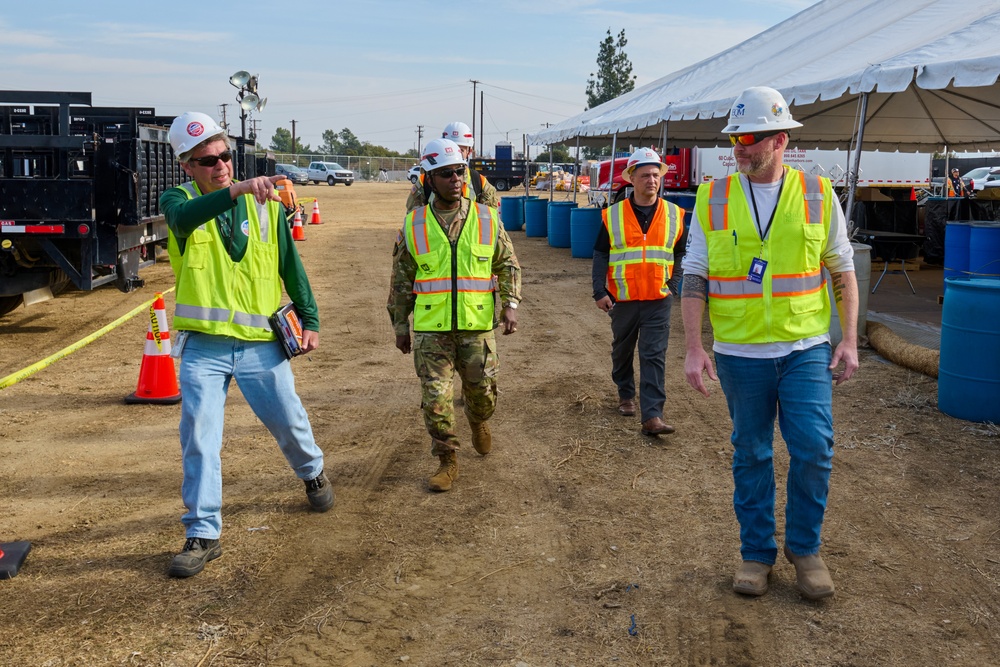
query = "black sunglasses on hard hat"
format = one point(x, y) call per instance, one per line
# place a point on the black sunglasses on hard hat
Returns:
point(750, 138)
point(448, 173)
point(212, 160)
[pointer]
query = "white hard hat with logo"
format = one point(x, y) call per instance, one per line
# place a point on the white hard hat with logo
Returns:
point(440, 153)
point(190, 129)
point(640, 158)
point(759, 109)
point(460, 133)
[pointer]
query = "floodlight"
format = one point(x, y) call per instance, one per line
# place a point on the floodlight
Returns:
point(240, 79)
point(263, 103)
point(249, 102)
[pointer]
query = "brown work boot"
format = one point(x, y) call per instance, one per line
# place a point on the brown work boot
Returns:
point(482, 439)
point(626, 407)
point(751, 578)
point(656, 426)
point(811, 576)
point(446, 474)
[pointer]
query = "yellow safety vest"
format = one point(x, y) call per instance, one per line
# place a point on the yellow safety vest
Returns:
point(791, 302)
point(639, 265)
point(218, 296)
point(454, 284)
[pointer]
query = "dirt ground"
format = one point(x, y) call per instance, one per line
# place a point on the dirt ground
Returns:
point(577, 542)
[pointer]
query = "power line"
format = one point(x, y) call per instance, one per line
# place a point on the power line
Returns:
point(541, 97)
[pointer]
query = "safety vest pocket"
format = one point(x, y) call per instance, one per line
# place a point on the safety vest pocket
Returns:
point(432, 312)
point(732, 308)
point(723, 250)
point(814, 237)
point(197, 249)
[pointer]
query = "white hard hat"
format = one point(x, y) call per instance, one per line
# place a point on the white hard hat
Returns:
point(759, 109)
point(460, 133)
point(640, 158)
point(440, 153)
point(190, 129)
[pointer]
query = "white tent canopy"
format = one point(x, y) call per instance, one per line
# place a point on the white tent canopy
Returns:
point(928, 68)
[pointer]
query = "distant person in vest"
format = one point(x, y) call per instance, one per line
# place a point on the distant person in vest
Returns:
point(633, 262)
point(476, 187)
point(443, 265)
point(758, 243)
point(229, 245)
point(957, 187)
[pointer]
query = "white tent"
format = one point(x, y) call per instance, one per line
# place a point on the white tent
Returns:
point(923, 71)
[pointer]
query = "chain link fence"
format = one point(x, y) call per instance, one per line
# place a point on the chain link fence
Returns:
point(365, 168)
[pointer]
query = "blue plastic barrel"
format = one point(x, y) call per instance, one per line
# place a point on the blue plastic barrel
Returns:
point(984, 250)
point(584, 225)
point(956, 250)
point(969, 369)
point(558, 223)
point(535, 222)
point(512, 213)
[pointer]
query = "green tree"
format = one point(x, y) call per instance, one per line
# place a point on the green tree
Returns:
point(281, 142)
point(560, 153)
point(614, 72)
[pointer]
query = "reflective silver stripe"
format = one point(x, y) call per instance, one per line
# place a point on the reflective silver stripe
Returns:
point(672, 224)
point(739, 287)
point(615, 218)
point(485, 231)
point(433, 286)
point(814, 199)
point(657, 254)
point(263, 221)
point(475, 284)
point(617, 256)
point(717, 206)
point(189, 188)
point(419, 227)
point(620, 284)
point(248, 320)
point(206, 314)
point(790, 286)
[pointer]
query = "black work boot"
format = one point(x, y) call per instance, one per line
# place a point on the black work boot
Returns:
point(191, 560)
point(320, 493)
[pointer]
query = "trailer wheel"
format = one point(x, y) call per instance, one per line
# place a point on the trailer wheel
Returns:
point(501, 185)
point(9, 303)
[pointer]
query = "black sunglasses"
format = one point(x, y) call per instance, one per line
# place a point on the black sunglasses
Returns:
point(212, 160)
point(448, 173)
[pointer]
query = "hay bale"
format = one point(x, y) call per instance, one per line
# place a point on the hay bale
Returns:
point(898, 351)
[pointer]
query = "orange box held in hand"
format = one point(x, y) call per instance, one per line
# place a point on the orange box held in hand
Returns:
point(286, 191)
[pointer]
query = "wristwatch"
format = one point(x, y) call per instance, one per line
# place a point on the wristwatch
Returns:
point(511, 304)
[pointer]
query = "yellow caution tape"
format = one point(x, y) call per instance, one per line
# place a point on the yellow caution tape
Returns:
point(154, 324)
point(14, 378)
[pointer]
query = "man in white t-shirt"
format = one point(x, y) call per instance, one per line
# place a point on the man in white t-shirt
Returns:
point(758, 242)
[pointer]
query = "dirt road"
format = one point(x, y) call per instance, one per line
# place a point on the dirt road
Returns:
point(576, 542)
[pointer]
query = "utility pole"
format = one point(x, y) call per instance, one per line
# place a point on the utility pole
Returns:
point(420, 135)
point(222, 109)
point(474, 82)
point(482, 125)
point(294, 151)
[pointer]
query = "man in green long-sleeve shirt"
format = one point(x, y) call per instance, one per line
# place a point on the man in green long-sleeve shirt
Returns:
point(231, 251)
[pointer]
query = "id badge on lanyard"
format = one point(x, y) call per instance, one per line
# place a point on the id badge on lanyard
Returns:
point(757, 268)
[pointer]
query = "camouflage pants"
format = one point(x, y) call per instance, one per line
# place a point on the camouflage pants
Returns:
point(437, 357)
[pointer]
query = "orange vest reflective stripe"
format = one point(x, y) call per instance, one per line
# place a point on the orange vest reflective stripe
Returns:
point(639, 265)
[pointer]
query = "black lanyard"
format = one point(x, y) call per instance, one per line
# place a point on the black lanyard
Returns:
point(763, 232)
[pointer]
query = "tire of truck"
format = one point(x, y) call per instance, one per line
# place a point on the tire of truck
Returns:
point(348, 183)
point(501, 185)
point(622, 193)
point(58, 282)
point(414, 179)
point(330, 181)
point(9, 303)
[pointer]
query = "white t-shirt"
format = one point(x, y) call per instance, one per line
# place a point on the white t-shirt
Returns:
point(838, 257)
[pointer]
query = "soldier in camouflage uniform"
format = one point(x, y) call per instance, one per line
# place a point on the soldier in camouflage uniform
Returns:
point(476, 185)
point(453, 319)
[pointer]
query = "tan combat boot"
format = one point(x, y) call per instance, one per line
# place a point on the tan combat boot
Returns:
point(446, 474)
point(482, 439)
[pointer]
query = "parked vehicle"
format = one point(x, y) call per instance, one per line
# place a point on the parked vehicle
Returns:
point(896, 173)
point(330, 172)
point(81, 193)
point(503, 174)
point(977, 178)
point(414, 174)
point(293, 173)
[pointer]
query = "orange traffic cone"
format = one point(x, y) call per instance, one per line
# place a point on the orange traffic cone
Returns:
point(298, 233)
point(157, 376)
point(314, 220)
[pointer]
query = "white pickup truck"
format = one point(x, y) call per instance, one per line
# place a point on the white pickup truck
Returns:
point(331, 172)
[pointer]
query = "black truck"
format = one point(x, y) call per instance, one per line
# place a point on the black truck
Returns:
point(80, 192)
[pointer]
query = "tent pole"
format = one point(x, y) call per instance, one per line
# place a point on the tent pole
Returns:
point(576, 169)
point(611, 171)
point(852, 178)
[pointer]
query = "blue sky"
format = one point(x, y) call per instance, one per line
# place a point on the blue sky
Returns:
point(380, 68)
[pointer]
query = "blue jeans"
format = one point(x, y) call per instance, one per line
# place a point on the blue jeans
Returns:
point(264, 375)
point(798, 389)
